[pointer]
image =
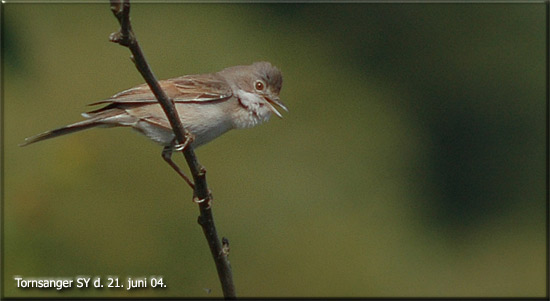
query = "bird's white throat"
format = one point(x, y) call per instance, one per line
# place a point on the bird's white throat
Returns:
point(254, 110)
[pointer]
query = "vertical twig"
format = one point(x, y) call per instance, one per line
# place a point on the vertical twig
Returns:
point(126, 37)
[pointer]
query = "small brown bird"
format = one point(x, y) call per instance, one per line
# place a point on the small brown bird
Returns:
point(208, 106)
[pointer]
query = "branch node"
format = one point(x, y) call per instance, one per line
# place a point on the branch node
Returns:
point(116, 8)
point(202, 173)
point(201, 220)
point(115, 37)
point(225, 247)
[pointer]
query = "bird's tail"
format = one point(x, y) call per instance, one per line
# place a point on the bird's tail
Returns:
point(107, 116)
point(68, 129)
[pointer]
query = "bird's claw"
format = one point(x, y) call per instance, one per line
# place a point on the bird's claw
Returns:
point(208, 200)
point(179, 147)
point(189, 138)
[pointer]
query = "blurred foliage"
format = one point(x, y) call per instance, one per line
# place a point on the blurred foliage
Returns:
point(411, 163)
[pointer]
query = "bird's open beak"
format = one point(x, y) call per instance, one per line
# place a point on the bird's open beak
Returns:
point(275, 101)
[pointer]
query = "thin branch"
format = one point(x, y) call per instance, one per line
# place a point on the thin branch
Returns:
point(126, 37)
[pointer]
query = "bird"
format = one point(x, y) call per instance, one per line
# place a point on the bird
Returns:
point(208, 106)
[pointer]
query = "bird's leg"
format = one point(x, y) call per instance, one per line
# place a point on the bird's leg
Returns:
point(167, 156)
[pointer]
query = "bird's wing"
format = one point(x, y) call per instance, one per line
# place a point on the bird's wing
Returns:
point(190, 88)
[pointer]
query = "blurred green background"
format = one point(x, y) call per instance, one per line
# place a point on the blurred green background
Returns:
point(411, 163)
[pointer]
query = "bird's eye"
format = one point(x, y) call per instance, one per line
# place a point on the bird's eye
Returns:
point(259, 86)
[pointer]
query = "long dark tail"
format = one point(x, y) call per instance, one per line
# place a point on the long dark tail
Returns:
point(71, 128)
